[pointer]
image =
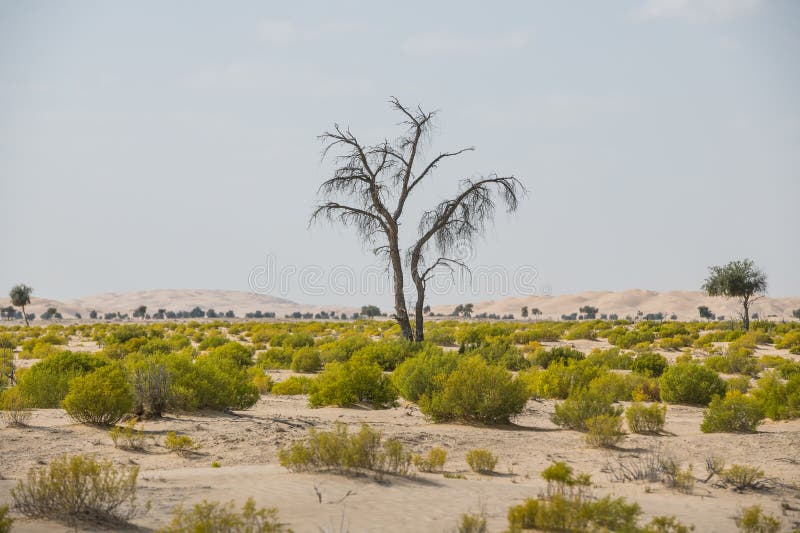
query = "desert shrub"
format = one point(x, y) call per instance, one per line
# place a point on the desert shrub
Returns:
point(433, 462)
point(472, 523)
point(424, 373)
point(581, 406)
point(779, 400)
point(736, 362)
point(562, 481)
point(785, 367)
point(561, 513)
point(102, 397)
point(306, 360)
point(387, 353)
point(212, 341)
point(582, 330)
point(502, 352)
point(151, 382)
point(559, 379)
point(613, 358)
point(647, 389)
point(753, 520)
point(128, 437)
point(340, 451)
point(78, 488)
point(690, 384)
point(614, 386)
point(293, 340)
point(666, 524)
point(561, 354)
point(275, 358)
point(14, 408)
point(440, 337)
point(624, 338)
point(125, 333)
point(674, 343)
point(180, 444)
point(733, 413)
point(5, 521)
point(293, 386)
point(46, 383)
point(476, 392)
point(207, 517)
point(674, 476)
point(356, 381)
point(209, 383)
point(650, 364)
point(742, 477)
point(646, 419)
point(738, 383)
point(238, 354)
point(343, 348)
point(604, 431)
point(481, 460)
point(259, 378)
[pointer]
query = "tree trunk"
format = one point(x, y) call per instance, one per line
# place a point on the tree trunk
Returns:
point(25, 316)
point(746, 315)
point(400, 309)
point(419, 313)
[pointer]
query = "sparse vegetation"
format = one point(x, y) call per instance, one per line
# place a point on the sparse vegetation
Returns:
point(180, 444)
point(646, 419)
point(216, 517)
point(733, 413)
point(481, 460)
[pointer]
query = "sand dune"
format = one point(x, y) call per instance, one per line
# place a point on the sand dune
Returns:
point(681, 303)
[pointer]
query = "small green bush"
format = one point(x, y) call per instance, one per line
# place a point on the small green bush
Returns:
point(604, 431)
point(561, 513)
point(5, 521)
point(357, 381)
point(779, 400)
point(753, 520)
point(128, 437)
point(481, 460)
point(275, 358)
point(14, 409)
point(562, 481)
point(476, 392)
point(690, 384)
point(424, 373)
point(433, 462)
point(78, 488)
point(208, 517)
point(102, 397)
point(342, 452)
point(559, 379)
point(650, 364)
point(306, 360)
point(733, 413)
point(46, 383)
point(742, 477)
point(472, 523)
point(293, 386)
point(581, 406)
point(646, 419)
point(736, 362)
point(180, 444)
point(561, 354)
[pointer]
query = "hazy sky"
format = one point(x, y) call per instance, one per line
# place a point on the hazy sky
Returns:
point(173, 144)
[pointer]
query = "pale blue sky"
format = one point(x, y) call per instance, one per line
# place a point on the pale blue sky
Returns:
point(173, 144)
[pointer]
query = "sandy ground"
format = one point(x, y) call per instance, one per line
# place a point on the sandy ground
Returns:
point(246, 444)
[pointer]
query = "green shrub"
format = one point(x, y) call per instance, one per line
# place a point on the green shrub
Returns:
point(208, 517)
point(128, 437)
point(151, 382)
point(293, 340)
point(259, 378)
point(785, 367)
point(275, 358)
point(650, 364)
point(209, 383)
point(742, 477)
point(293, 386)
point(472, 523)
point(5, 521)
point(502, 352)
point(212, 341)
point(559, 379)
point(180, 444)
point(612, 358)
point(387, 353)
point(582, 330)
point(78, 488)
point(46, 383)
point(343, 452)
point(433, 462)
point(476, 392)
point(690, 384)
point(560, 513)
point(424, 373)
point(357, 381)
point(779, 400)
point(236, 353)
point(581, 406)
point(306, 360)
point(734, 413)
point(630, 338)
point(646, 419)
point(562, 481)
point(738, 383)
point(614, 386)
point(101, 398)
point(561, 354)
point(481, 460)
point(737, 362)
point(753, 520)
point(604, 431)
point(14, 408)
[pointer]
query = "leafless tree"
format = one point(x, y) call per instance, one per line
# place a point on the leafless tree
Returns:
point(369, 190)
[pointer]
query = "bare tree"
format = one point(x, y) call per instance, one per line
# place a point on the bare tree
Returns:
point(369, 190)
